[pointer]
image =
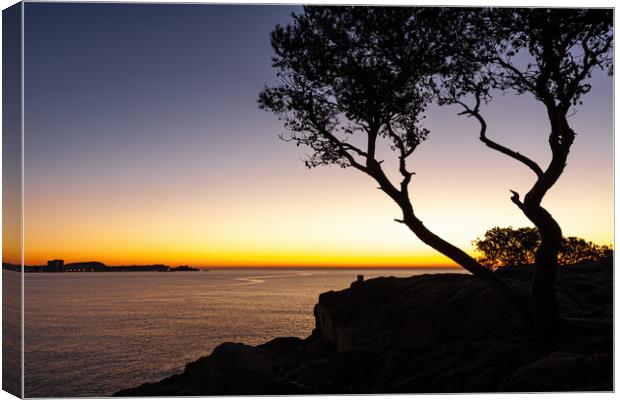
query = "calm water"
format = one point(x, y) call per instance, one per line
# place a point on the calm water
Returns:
point(91, 334)
point(11, 332)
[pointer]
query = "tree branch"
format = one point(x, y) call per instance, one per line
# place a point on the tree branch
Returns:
point(343, 147)
point(343, 150)
point(531, 164)
point(402, 163)
point(515, 199)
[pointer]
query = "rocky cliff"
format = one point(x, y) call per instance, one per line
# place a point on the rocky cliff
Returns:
point(428, 333)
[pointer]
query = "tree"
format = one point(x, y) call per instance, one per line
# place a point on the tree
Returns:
point(561, 49)
point(353, 79)
point(502, 247)
point(576, 250)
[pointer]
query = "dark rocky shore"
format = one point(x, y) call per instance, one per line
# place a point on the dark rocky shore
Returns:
point(428, 333)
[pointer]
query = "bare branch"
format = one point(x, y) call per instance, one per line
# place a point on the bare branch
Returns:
point(404, 153)
point(515, 198)
point(531, 164)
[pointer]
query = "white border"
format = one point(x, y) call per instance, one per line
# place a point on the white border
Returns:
point(504, 3)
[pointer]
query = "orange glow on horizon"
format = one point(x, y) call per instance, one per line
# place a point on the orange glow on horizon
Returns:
point(251, 259)
point(325, 217)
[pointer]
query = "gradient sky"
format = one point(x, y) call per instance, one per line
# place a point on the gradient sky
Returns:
point(11, 134)
point(144, 144)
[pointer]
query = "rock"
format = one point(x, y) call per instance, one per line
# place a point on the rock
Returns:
point(351, 371)
point(284, 345)
point(432, 333)
point(563, 372)
point(232, 369)
point(319, 349)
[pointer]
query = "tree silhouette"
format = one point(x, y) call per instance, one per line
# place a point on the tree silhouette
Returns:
point(502, 247)
point(576, 250)
point(353, 79)
point(550, 54)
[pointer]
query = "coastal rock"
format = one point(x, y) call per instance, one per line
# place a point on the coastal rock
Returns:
point(562, 372)
point(231, 369)
point(435, 333)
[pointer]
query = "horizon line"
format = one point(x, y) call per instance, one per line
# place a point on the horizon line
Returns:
point(292, 266)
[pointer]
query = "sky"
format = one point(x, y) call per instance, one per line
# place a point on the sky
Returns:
point(144, 144)
point(11, 134)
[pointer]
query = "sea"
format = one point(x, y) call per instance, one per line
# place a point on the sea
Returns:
point(92, 334)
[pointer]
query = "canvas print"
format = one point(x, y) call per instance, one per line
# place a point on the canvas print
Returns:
point(211, 200)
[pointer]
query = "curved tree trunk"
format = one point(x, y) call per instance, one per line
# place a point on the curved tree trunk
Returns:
point(401, 197)
point(545, 270)
point(518, 301)
point(457, 255)
point(546, 256)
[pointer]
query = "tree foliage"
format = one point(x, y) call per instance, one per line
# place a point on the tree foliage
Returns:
point(548, 52)
point(577, 250)
point(503, 247)
point(352, 71)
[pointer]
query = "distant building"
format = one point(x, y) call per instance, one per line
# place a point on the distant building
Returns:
point(55, 266)
point(183, 268)
point(87, 266)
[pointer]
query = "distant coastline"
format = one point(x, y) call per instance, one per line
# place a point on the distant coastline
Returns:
point(58, 266)
point(342, 267)
point(166, 268)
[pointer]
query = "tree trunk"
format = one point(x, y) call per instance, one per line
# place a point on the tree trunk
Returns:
point(546, 257)
point(518, 301)
point(401, 197)
point(545, 270)
point(544, 294)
